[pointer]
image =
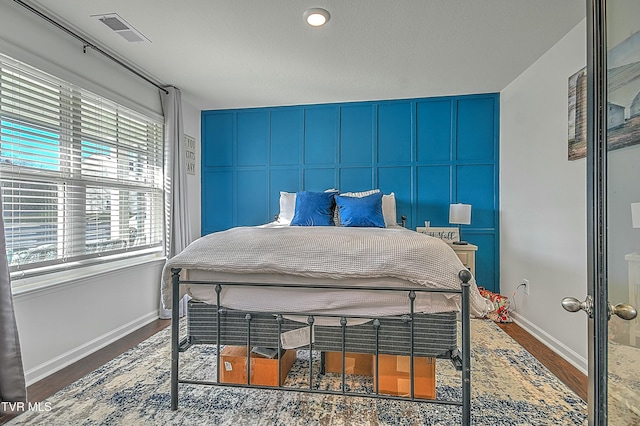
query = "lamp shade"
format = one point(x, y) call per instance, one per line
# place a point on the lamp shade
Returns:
point(635, 215)
point(460, 214)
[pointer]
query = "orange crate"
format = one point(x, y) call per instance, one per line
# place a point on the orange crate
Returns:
point(264, 371)
point(354, 363)
point(395, 379)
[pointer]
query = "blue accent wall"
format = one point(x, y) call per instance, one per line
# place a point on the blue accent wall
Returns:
point(430, 152)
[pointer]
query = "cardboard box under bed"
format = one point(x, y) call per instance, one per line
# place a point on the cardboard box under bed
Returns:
point(393, 375)
point(264, 371)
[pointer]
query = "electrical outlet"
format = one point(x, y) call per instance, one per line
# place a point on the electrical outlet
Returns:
point(526, 286)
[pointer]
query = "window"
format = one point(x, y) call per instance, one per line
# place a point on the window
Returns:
point(81, 176)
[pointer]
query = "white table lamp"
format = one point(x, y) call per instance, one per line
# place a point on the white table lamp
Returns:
point(460, 214)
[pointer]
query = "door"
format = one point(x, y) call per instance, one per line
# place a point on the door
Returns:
point(623, 199)
point(613, 211)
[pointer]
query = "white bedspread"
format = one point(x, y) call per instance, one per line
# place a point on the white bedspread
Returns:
point(332, 255)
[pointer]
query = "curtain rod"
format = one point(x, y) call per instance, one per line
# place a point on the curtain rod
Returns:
point(87, 43)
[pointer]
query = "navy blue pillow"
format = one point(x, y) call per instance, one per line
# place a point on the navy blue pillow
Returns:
point(361, 211)
point(313, 209)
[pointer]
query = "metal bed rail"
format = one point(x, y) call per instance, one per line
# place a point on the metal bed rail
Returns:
point(177, 346)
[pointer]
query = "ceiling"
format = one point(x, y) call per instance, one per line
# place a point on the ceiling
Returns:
point(249, 53)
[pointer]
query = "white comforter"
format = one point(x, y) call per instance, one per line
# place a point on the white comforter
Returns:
point(331, 255)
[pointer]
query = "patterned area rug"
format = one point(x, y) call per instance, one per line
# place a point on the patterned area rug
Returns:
point(509, 387)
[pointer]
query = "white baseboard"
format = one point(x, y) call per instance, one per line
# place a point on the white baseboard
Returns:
point(49, 367)
point(552, 343)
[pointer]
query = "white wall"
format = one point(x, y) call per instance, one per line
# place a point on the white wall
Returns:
point(61, 324)
point(192, 128)
point(543, 200)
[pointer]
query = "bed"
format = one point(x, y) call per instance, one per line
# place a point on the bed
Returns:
point(365, 289)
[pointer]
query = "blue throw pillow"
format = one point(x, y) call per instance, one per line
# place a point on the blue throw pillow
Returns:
point(361, 211)
point(313, 209)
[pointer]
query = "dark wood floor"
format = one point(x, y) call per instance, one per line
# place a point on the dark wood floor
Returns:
point(41, 390)
point(563, 370)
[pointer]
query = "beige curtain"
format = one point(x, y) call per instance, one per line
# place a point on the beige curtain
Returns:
point(12, 383)
point(178, 232)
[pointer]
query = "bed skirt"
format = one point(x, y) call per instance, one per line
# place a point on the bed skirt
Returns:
point(434, 335)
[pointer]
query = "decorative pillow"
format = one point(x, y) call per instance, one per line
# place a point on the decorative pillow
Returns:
point(313, 209)
point(389, 209)
point(388, 206)
point(501, 305)
point(361, 211)
point(336, 213)
point(360, 194)
point(287, 207)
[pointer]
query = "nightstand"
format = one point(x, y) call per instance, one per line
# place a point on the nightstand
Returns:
point(467, 254)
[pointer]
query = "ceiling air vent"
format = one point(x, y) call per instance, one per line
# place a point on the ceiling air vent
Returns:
point(122, 27)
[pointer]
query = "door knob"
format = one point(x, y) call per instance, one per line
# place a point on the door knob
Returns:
point(623, 310)
point(572, 304)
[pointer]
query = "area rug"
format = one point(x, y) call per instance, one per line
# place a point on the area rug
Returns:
point(509, 387)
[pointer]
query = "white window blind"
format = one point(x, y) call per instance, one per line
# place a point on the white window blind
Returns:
point(81, 176)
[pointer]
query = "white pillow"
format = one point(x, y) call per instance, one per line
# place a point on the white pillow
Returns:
point(287, 207)
point(389, 209)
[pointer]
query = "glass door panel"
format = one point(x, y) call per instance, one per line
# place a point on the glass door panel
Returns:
point(623, 201)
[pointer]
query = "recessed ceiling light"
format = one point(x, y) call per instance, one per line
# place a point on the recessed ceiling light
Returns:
point(316, 17)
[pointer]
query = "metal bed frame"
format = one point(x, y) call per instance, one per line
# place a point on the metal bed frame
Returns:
point(464, 358)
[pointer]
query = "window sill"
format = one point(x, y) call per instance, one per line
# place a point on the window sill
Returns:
point(38, 283)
